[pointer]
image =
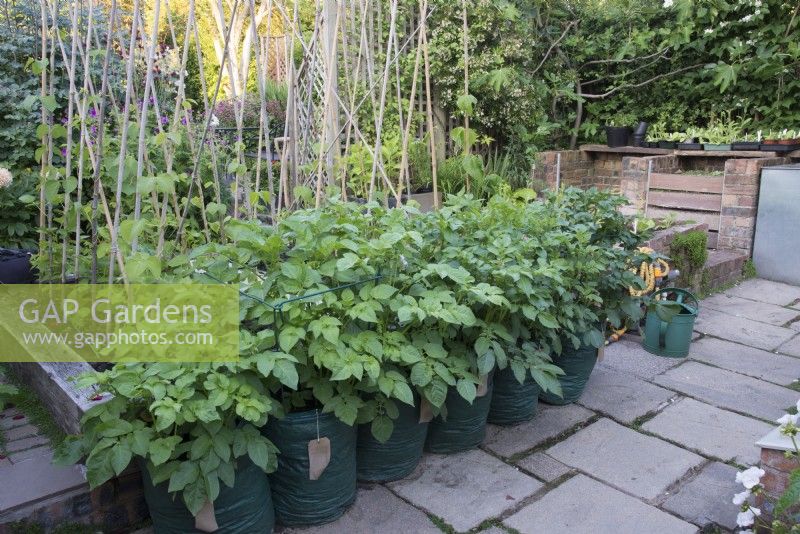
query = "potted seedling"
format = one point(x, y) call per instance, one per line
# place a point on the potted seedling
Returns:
point(747, 143)
point(657, 132)
point(618, 130)
point(715, 138)
point(670, 140)
point(690, 140)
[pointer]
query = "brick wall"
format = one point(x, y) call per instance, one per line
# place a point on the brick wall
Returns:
point(116, 506)
point(777, 469)
point(740, 201)
point(575, 168)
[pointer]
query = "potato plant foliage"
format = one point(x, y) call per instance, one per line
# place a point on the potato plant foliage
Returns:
point(354, 308)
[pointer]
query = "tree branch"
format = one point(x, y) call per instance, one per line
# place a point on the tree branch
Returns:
point(626, 60)
point(623, 74)
point(553, 45)
point(632, 86)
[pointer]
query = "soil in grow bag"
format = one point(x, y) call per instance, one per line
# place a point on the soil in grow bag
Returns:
point(299, 500)
point(465, 426)
point(577, 365)
point(15, 267)
point(246, 507)
point(512, 402)
point(399, 455)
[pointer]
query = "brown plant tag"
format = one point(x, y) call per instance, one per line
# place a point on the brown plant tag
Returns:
point(319, 456)
point(483, 387)
point(601, 352)
point(425, 411)
point(206, 520)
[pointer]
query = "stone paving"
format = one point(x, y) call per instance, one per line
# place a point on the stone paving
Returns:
point(653, 445)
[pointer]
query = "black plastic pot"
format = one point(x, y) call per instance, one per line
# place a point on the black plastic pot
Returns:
point(638, 140)
point(246, 507)
point(297, 499)
point(512, 402)
point(745, 145)
point(667, 145)
point(15, 267)
point(689, 146)
point(780, 148)
point(399, 455)
point(617, 136)
point(465, 426)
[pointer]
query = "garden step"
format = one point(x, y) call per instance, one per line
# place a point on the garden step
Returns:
point(710, 219)
point(685, 201)
point(723, 267)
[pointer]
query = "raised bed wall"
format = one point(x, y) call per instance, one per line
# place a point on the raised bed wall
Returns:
point(662, 183)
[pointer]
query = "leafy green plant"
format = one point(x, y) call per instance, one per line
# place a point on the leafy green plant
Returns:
point(189, 425)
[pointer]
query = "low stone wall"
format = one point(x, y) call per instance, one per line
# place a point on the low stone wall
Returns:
point(115, 507)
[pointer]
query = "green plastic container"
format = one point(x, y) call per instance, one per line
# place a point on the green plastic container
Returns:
point(465, 426)
point(399, 455)
point(512, 402)
point(671, 339)
point(577, 365)
point(299, 501)
point(246, 507)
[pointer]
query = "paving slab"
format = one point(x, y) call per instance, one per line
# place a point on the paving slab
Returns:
point(621, 396)
point(27, 454)
point(11, 419)
point(582, 505)
point(376, 510)
point(629, 357)
point(634, 462)
point(706, 499)
point(544, 466)
point(791, 347)
point(710, 430)
point(465, 489)
point(753, 362)
point(26, 443)
point(766, 291)
point(28, 481)
point(762, 312)
point(19, 432)
point(726, 389)
point(550, 421)
point(741, 330)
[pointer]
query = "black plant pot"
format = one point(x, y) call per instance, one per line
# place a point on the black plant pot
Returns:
point(745, 145)
point(15, 267)
point(667, 145)
point(690, 146)
point(617, 136)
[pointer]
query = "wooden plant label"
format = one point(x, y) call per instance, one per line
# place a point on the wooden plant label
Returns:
point(483, 387)
point(601, 352)
point(206, 520)
point(425, 411)
point(319, 456)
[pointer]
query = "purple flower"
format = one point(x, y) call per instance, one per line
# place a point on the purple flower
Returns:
point(92, 112)
point(93, 129)
point(164, 120)
point(64, 151)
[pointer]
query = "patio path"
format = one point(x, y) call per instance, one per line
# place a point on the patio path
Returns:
point(653, 445)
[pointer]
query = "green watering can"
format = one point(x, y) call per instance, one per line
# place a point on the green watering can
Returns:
point(671, 338)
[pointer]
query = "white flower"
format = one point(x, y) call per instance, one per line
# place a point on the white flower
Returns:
point(757, 3)
point(5, 178)
point(740, 498)
point(668, 3)
point(749, 477)
point(214, 121)
point(746, 18)
point(788, 419)
point(708, 30)
point(748, 517)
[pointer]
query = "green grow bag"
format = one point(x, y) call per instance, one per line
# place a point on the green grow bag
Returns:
point(577, 365)
point(465, 426)
point(399, 455)
point(246, 507)
point(512, 402)
point(671, 339)
point(299, 500)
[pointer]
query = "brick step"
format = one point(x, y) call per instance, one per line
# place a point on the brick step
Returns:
point(723, 267)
